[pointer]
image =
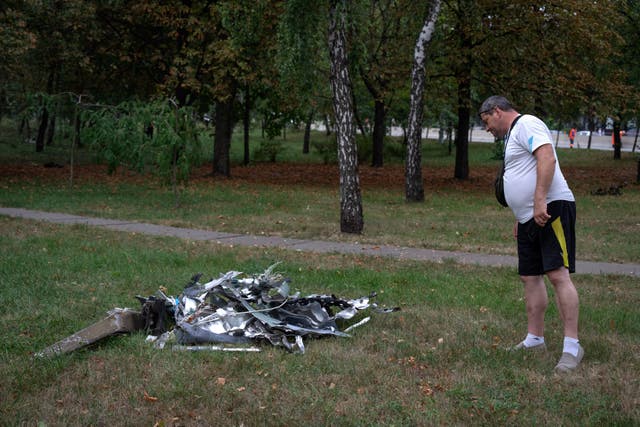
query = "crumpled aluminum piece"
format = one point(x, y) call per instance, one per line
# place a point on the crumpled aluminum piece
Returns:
point(226, 314)
point(237, 309)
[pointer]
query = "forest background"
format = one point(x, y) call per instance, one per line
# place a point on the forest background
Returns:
point(79, 70)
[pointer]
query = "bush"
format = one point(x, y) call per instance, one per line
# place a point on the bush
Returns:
point(268, 150)
point(394, 149)
point(327, 149)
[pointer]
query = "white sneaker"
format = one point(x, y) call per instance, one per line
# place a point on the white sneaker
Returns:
point(568, 362)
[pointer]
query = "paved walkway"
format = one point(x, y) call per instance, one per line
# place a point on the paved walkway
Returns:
point(585, 267)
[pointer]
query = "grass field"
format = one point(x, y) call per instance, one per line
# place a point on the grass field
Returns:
point(440, 360)
point(300, 198)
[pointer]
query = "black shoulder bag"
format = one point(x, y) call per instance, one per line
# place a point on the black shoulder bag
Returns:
point(499, 182)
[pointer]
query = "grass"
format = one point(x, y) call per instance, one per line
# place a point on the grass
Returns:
point(302, 201)
point(438, 361)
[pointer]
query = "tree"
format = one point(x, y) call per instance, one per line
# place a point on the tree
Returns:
point(351, 217)
point(543, 57)
point(384, 31)
point(414, 189)
point(159, 137)
point(302, 62)
point(49, 54)
point(200, 53)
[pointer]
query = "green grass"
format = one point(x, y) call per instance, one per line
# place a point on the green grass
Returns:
point(455, 215)
point(440, 360)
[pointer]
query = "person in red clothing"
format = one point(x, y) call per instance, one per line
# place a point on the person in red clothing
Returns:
point(572, 136)
point(613, 138)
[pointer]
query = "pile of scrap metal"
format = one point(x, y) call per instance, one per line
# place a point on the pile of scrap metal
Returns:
point(229, 314)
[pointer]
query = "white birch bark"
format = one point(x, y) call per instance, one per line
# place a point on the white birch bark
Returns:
point(414, 188)
point(351, 218)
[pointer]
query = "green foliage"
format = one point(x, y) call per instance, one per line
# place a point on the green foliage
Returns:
point(365, 148)
point(157, 137)
point(268, 150)
point(394, 149)
point(274, 121)
point(327, 149)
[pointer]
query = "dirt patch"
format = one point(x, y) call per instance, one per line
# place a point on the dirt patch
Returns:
point(319, 175)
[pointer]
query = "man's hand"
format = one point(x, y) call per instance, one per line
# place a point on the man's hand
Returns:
point(545, 168)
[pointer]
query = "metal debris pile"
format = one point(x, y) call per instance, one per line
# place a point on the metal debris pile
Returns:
point(231, 313)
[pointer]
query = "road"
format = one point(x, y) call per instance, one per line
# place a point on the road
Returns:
point(598, 142)
point(478, 134)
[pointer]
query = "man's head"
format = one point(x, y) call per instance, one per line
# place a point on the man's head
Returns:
point(497, 113)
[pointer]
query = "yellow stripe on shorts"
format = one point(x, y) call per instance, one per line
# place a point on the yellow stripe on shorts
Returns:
point(559, 232)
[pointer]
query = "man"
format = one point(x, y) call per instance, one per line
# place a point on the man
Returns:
point(544, 207)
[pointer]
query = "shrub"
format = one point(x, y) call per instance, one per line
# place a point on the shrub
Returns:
point(268, 150)
point(327, 149)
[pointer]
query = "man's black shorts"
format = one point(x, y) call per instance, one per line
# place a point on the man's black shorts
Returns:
point(542, 249)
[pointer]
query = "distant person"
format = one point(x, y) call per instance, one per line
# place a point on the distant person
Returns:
point(545, 212)
point(613, 138)
point(572, 136)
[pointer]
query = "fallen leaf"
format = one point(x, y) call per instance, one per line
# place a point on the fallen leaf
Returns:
point(426, 390)
point(149, 398)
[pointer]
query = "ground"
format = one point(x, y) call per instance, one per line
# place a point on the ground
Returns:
point(389, 177)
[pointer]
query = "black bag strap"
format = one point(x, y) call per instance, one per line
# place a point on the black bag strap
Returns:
point(506, 138)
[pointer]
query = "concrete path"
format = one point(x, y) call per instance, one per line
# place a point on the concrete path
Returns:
point(584, 267)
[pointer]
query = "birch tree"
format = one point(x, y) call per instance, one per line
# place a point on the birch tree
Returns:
point(351, 218)
point(414, 187)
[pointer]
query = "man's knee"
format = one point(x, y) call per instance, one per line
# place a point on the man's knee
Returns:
point(562, 283)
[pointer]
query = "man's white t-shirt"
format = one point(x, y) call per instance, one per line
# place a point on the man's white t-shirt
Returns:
point(528, 134)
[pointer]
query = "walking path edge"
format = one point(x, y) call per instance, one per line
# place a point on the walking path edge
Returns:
point(319, 246)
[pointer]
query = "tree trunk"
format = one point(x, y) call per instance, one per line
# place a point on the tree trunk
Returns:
point(75, 140)
point(592, 124)
point(51, 130)
point(327, 125)
point(462, 133)
point(414, 187)
point(307, 133)
point(25, 129)
point(42, 129)
point(379, 131)
point(356, 115)
point(379, 118)
point(222, 138)
point(246, 121)
point(617, 143)
point(351, 218)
